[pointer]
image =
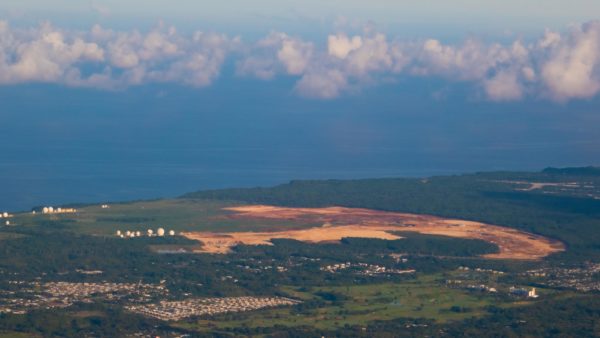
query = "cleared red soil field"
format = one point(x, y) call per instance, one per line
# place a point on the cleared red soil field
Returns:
point(354, 222)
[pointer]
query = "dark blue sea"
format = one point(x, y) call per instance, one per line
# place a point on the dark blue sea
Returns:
point(61, 145)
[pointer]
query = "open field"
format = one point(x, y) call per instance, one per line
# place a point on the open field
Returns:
point(175, 214)
point(223, 242)
point(361, 304)
point(353, 222)
point(222, 225)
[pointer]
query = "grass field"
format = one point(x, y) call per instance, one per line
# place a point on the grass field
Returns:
point(171, 214)
point(424, 298)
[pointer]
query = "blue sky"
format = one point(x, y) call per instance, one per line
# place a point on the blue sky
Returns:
point(105, 100)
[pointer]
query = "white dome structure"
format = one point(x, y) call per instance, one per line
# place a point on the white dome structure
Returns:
point(50, 209)
point(118, 232)
point(5, 214)
point(138, 233)
point(127, 233)
point(160, 232)
point(150, 232)
point(45, 210)
point(171, 232)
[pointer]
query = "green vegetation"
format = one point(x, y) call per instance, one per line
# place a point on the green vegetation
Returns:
point(343, 303)
point(571, 214)
point(360, 304)
point(180, 215)
point(415, 243)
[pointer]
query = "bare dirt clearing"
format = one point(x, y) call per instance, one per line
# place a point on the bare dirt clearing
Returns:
point(354, 222)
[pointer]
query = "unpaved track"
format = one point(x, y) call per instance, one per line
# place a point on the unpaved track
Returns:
point(365, 223)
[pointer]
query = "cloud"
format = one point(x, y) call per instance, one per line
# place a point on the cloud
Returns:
point(504, 86)
point(108, 59)
point(347, 63)
point(559, 66)
point(202, 62)
point(295, 55)
point(572, 69)
point(276, 53)
point(325, 84)
point(373, 55)
point(44, 55)
point(340, 45)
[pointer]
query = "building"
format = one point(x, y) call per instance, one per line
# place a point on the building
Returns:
point(532, 294)
point(523, 292)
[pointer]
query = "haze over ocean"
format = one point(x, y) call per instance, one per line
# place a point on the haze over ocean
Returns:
point(84, 145)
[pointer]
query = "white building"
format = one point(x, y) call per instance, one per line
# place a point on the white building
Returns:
point(532, 294)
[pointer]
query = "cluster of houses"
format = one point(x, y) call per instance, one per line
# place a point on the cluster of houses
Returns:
point(466, 268)
point(84, 290)
point(177, 310)
point(513, 291)
point(64, 294)
point(364, 268)
point(581, 278)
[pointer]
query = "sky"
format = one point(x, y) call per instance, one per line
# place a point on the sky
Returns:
point(409, 18)
point(118, 100)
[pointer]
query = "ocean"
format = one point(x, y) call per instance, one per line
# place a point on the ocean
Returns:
point(62, 145)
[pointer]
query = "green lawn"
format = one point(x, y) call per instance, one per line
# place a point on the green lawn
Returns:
point(420, 298)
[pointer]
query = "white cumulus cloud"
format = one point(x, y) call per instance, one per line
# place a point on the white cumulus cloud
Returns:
point(560, 66)
point(573, 67)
